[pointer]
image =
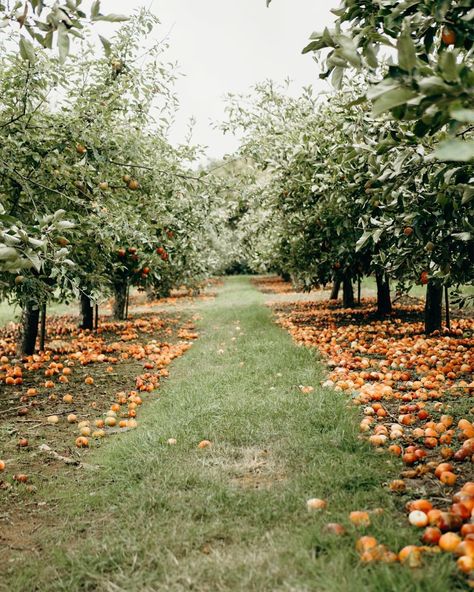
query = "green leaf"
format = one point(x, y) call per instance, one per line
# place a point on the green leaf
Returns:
point(406, 51)
point(65, 224)
point(402, 7)
point(434, 85)
point(111, 18)
point(337, 77)
point(469, 16)
point(448, 66)
point(348, 49)
point(363, 240)
point(313, 46)
point(463, 236)
point(63, 43)
point(34, 242)
point(384, 146)
point(35, 260)
point(455, 150)
point(8, 219)
point(371, 56)
point(376, 91)
point(359, 101)
point(8, 253)
point(335, 60)
point(95, 9)
point(327, 37)
point(376, 235)
point(319, 41)
point(76, 33)
point(468, 195)
point(27, 51)
point(48, 40)
point(106, 45)
point(338, 11)
point(392, 98)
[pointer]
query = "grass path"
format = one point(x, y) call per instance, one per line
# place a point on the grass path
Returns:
point(159, 518)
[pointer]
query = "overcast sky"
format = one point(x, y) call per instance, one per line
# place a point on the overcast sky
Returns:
point(229, 45)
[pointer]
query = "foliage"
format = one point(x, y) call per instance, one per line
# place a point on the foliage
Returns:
point(347, 193)
point(406, 167)
point(49, 25)
point(430, 75)
point(88, 139)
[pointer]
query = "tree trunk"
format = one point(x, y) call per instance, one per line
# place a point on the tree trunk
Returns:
point(448, 312)
point(165, 292)
point(29, 329)
point(384, 303)
point(96, 322)
point(87, 312)
point(433, 307)
point(127, 302)
point(43, 328)
point(359, 290)
point(336, 286)
point(347, 292)
point(120, 301)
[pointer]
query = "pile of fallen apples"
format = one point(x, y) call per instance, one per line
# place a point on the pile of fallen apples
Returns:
point(450, 530)
point(415, 394)
point(273, 285)
point(56, 388)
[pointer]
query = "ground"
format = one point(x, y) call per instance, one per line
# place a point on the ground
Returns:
point(141, 515)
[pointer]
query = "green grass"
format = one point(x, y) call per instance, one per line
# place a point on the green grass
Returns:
point(369, 284)
point(161, 518)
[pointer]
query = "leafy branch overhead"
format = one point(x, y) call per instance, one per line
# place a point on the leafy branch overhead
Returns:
point(93, 196)
point(50, 26)
point(420, 57)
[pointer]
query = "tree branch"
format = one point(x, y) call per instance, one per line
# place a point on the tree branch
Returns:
point(24, 101)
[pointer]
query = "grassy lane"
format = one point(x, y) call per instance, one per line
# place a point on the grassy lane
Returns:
point(233, 517)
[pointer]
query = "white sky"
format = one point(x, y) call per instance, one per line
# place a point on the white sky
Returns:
point(229, 45)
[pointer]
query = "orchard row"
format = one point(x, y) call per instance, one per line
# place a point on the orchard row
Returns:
point(94, 199)
point(374, 178)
